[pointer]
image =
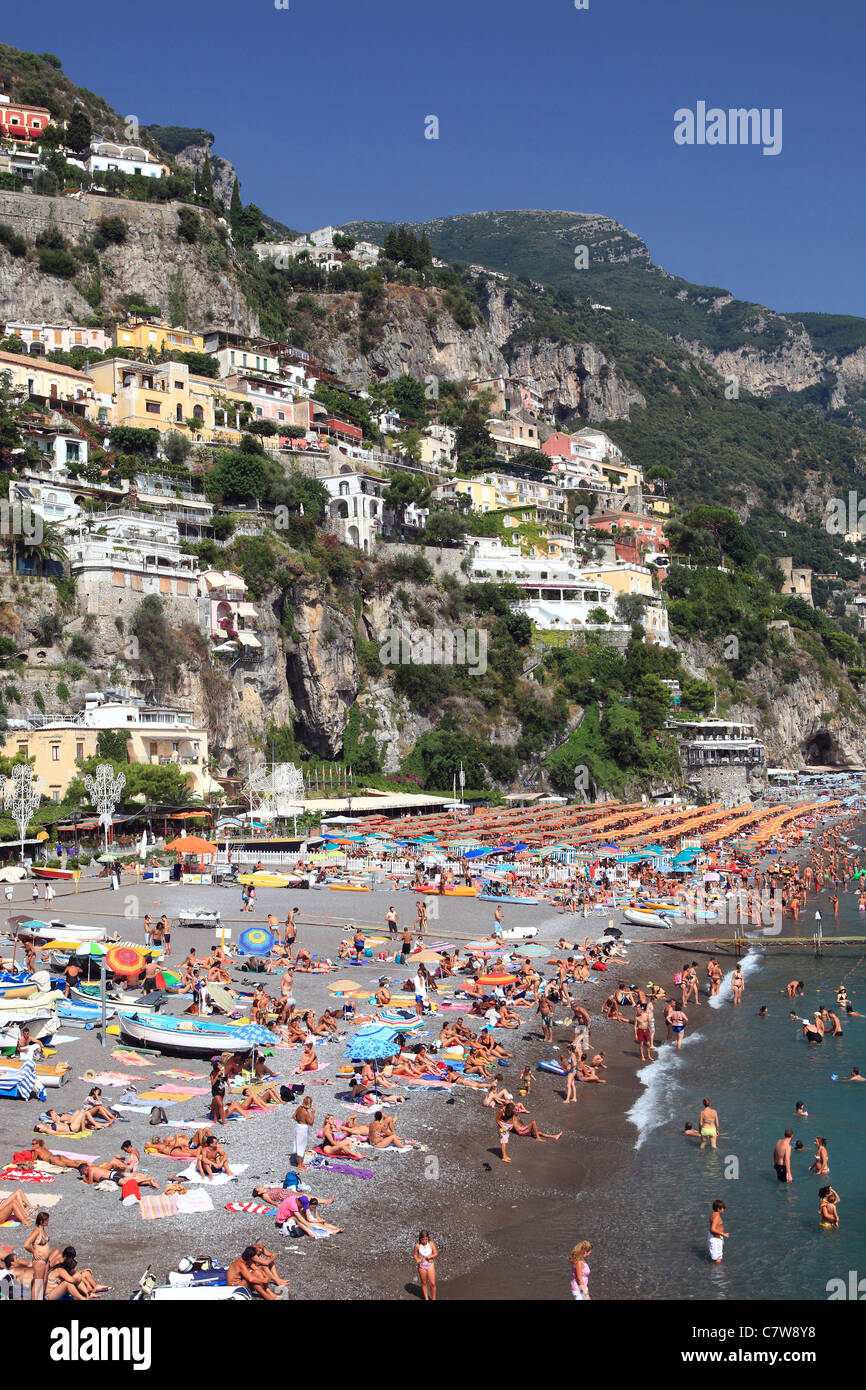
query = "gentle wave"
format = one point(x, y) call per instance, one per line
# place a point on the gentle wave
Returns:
point(750, 963)
point(661, 1100)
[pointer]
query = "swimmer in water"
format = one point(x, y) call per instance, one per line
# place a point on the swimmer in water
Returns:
point(827, 1213)
point(690, 1132)
point(762, 1012)
point(800, 1111)
point(821, 1166)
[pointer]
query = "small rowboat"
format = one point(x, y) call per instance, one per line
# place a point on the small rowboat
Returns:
point(349, 887)
point(646, 919)
point(452, 890)
point(262, 879)
point(519, 901)
point(61, 931)
point(189, 1037)
point(65, 874)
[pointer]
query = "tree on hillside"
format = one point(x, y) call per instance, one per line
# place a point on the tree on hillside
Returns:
point(79, 131)
point(474, 447)
point(156, 644)
point(237, 476)
point(403, 490)
point(717, 520)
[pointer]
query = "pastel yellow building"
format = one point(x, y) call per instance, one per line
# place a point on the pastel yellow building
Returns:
point(49, 383)
point(167, 396)
point(155, 734)
point(152, 333)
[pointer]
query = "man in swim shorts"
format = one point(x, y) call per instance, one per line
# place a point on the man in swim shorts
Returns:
point(782, 1157)
point(717, 1235)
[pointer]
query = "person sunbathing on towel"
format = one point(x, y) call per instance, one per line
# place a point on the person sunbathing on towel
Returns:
point(173, 1146)
point(327, 1023)
point(259, 1100)
point(244, 1273)
point(610, 1009)
point(339, 1147)
point(313, 1028)
point(44, 1155)
point(96, 1108)
point(383, 994)
point(73, 1123)
point(213, 1159)
point(309, 1061)
point(218, 974)
point(16, 1207)
point(507, 1017)
point(303, 959)
point(488, 1043)
point(292, 1032)
point(381, 1133)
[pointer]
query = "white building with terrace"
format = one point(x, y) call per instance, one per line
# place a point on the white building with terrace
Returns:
point(558, 597)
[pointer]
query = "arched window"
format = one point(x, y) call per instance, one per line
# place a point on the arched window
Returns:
point(198, 412)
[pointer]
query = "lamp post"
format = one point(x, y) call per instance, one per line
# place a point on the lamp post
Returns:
point(76, 807)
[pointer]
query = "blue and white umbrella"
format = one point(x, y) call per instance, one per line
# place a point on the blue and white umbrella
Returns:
point(371, 1043)
point(256, 941)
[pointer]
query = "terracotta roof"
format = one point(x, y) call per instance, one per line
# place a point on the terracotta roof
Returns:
point(19, 359)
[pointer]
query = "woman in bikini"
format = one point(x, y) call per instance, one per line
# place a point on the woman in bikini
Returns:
point(508, 1115)
point(309, 1061)
point(38, 1244)
point(334, 1147)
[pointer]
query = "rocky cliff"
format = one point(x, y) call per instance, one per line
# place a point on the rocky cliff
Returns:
point(153, 264)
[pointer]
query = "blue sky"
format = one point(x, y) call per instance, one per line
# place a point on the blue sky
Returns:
point(321, 108)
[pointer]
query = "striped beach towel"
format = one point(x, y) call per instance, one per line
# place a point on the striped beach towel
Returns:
point(20, 1082)
point(252, 1208)
point(131, 1059)
point(153, 1207)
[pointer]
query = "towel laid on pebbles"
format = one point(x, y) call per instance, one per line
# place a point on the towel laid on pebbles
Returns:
point(50, 1199)
point(190, 1175)
point(191, 1203)
point(252, 1208)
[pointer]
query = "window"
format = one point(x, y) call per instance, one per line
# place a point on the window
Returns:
point(178, 386)
point(72, 453)
point(23, 749)
point(151, 335)
point(259, 411)
point(280, 415)
point(198, 412)
point(55, 752)
point(79, 750)
point(178, 414)
point(152, 407)
point(55, 796)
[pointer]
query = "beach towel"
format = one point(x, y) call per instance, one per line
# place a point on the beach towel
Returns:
point(182, 1092)
point(166, 1097)
point(132, 1059)
point(153, 1207)
point(190, 1175)
point(50, 1199)
point(184, 1075)
point(79, 1158)
point(253, 1208)
point(111, 1078)
point(192, 1203)
point(348, 1170)
point(12, 1174)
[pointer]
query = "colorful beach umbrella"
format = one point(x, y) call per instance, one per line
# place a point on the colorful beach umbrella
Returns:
point(125, 960)
point(169, 979)
point(256, 941)
point(191, 844)
point(374, 1041)
point(496, 979)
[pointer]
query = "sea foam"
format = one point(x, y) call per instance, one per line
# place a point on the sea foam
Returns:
point(661, 1102)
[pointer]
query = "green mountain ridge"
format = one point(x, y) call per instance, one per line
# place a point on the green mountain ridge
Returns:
point(542, 245)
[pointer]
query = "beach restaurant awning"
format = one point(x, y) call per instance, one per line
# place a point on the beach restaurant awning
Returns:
point(685, 856)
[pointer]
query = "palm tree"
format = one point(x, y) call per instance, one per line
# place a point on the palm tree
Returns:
point(51, 545)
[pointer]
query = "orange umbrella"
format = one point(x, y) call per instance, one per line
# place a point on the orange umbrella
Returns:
point(496, 979)
point(125, 960)
point(191, 844)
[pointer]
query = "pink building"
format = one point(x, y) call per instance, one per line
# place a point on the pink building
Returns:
point(42, 338)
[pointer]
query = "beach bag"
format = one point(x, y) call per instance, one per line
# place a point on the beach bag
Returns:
point(158, 1115)
point(291, 1180)
point(23, 1156)
point(678, 978)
